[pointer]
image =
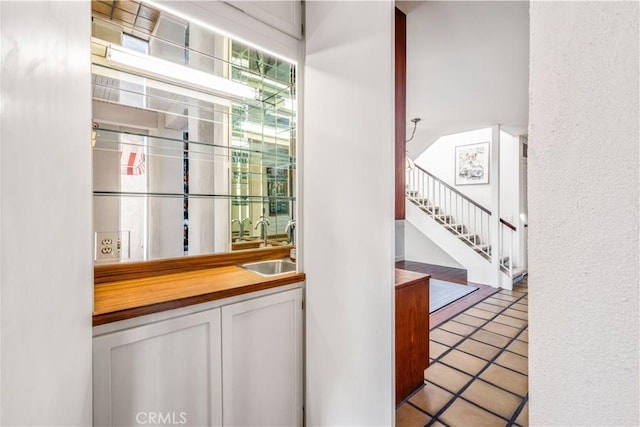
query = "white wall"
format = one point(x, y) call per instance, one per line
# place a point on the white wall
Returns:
point(583, 214)
point(479, 270)
point(523, 219)
point(439, 160)
point(467, 67)
point(399, 246)
point(420, 248)
point(46, 271)
point(510, 188)
point(348, 213)
point(509, 177)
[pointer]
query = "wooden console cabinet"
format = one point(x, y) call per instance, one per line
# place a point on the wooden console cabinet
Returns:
point(412, 331)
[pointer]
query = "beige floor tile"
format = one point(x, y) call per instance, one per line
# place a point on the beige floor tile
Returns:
point(446, 377)
point(514, 292)
point(483, 314)
point(516, 313)
point(408, 416)
point(458, 328)
point(514, 361)
point(498, 302)
point(523, 418)
point(436, 349)
point(506, 379)
point(463, 361)
point(511, 321)
point(478, 349)
point(489, 307)
point(499, 328)
point(489, 397)
point(505, 297)
point(524, 336)
point(438, 424)
point(463, 413)
point(520, 307)
point(519, 347)
point(490, 338)
point(469, 320)
point(431, 398)
point(444, 337)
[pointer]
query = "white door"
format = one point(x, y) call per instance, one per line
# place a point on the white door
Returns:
point(160, 374)
point(262, 361)
point(524, 209)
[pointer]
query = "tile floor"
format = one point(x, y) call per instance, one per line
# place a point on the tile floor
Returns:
point(478, 373)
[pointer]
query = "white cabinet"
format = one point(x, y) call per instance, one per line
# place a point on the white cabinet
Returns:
point(283, 15)
point(163, 373)
point(262, 361)
point(235, 364)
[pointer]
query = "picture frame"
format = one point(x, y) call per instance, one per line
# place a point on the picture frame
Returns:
point(472, 164)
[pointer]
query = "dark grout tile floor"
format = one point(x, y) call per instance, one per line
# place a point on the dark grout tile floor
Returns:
point(478, 372)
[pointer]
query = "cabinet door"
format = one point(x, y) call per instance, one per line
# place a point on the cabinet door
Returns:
point(160, 374)
point(262, 361)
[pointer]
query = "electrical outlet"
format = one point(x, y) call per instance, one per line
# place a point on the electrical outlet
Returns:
point(111, 246)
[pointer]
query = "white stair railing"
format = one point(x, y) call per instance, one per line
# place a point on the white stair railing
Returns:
point(470, 221)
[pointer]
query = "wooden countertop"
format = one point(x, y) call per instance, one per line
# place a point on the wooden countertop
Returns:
point(125, 299)
point(406, 277)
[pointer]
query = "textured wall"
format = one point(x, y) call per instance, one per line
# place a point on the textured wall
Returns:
point(583, 211)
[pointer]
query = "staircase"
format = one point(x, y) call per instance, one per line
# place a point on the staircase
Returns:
point(462, 228)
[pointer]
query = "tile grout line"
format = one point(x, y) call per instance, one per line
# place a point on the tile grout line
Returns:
point(510, 305)
point(463, 338)
point(474, 378)
point(455, 315)
point(519, 409)
point(484, 324)
point(477, 375)
point(414, 406)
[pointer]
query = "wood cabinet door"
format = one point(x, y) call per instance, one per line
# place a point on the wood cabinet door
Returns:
point(262, 361)
point(163, 373)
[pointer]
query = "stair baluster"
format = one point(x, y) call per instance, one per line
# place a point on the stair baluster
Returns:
point(459, 214)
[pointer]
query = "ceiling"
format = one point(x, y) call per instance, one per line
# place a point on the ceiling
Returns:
point(467, 67)
point(134, 17)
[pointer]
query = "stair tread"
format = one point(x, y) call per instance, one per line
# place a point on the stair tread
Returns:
point(473, 241)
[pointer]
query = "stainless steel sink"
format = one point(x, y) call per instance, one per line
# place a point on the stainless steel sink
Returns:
point(271, 267)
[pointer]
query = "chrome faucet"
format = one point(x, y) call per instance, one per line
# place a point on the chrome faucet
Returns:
point(242, 223)
point(290, 230)
point(263, 223)
point(241, 226)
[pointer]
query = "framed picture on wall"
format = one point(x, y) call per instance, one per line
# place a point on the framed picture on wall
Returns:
point(472, 164)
